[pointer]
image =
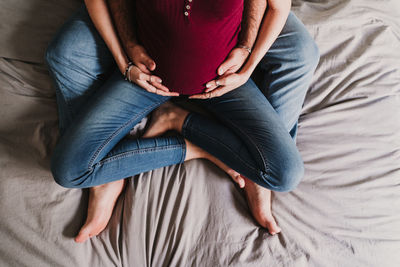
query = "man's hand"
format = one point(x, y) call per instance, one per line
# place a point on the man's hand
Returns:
point(229, 79)
point(140, 73)
point(236, 58)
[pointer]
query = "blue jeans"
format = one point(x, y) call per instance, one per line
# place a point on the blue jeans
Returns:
point(97, 109)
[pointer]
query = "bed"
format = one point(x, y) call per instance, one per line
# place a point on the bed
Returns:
point(346, 211)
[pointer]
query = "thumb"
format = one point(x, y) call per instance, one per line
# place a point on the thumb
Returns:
point(147, 61)
point(226, 65)
point(150, 64)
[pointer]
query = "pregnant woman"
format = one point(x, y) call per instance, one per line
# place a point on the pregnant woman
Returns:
point(177, 50)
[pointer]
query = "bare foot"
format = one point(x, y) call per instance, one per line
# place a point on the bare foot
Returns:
point(171, 117)
point(259, 201)
point(236, 177)
point(258, 198)
point(195, 152)
point(166, 117)
point(102, 199)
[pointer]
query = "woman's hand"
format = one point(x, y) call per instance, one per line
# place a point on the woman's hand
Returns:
point(140, 73)
point(229, 79)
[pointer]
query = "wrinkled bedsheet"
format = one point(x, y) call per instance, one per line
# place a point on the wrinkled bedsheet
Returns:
point(346, 212)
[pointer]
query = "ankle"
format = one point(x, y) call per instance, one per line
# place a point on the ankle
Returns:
point(179, 116)
point(194, 152)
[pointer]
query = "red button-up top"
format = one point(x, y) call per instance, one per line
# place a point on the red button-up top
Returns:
point(188, 39)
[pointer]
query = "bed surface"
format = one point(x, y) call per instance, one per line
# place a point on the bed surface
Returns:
point(346, 212)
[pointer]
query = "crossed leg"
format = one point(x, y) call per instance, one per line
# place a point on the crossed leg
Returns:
point(171, 117)
point(91, 76)
point(283, 75)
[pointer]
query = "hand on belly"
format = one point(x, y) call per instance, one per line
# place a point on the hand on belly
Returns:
point(140, 72)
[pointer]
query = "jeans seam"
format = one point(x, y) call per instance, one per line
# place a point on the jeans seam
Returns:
point(215, 140)
point(183, 154)
point(137, 151)
point(119, 130)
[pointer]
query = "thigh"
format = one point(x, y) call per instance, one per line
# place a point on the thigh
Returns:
point(285, 72)
point(79, 62)
point(248, 113)
point(104, 121)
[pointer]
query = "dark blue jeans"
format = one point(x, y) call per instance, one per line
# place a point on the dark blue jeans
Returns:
point(97, 109)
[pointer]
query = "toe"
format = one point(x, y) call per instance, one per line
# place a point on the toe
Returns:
point(82, 236)
point(272, 227)
point(236, 177)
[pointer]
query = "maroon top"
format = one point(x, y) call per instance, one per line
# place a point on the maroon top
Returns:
point(188, 39)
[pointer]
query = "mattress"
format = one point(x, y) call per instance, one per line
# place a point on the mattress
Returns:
point(345, 212)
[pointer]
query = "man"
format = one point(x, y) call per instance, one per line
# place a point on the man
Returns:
point(286, 64)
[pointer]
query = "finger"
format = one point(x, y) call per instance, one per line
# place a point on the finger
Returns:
point(200, 96)
point(145, 81)
point(163, 93)
point(134, 73)
point(147, 61)
point(215, 93)
point(218, 84)
point(226, 65)
point(223, 81)
point(150, 88)
point(156, 81)
point(211, 85)
point(208, 95)
point(219, 91)
point(143, 77)
point(143, 68)
point(160, 86)
point(150, 64)
point(154, 78)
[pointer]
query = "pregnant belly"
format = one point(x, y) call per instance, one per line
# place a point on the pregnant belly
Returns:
point(186, 69)
point(188, 49)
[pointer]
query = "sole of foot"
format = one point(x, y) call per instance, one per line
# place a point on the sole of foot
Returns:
point(102, 200)
point(166, 117)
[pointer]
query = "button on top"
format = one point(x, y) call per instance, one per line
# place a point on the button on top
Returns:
point(187, 8)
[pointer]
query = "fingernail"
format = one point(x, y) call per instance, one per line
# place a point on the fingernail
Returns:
point(221, 71)
point(160, 81)
point(208, 85)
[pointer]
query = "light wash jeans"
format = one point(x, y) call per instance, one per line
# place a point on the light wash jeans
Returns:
point(253, 129)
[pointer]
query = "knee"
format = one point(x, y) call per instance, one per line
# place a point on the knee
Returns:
point(290, 176)
point(54, 55)
point(306, 52)
point(284, 174)
point(49, 55)
point(65, 49)
point(64, 172)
